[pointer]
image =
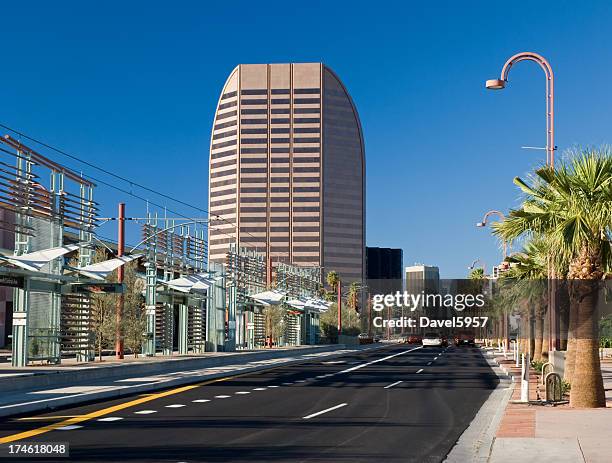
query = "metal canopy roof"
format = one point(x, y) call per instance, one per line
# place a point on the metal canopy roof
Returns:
point(35, 261)
point(268, 298)
point(100, 270)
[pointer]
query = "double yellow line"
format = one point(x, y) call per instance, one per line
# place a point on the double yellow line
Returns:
point(104, 411)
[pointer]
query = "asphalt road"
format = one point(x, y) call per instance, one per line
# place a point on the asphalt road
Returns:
point(400, 403)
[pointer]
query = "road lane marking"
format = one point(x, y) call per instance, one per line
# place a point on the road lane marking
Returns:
point(200, 401)
point(70, 427)
point(429, 364)
point(435, 358)
point(420, 371)
point(110, 418)
point(107, 411)
point(242, 392)
point(222, 397)
point(175, 406)
point(287, 384)
point(307, 417)
point(357, 367)
point(145, 412)
point(389, 386)
point(260, 389)
point(46, 418)
point(273, 386)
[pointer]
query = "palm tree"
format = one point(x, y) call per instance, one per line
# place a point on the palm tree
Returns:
point(529, 270)
point(572, 206)
point(333, 279)
point(476, 274)
point(353, 296)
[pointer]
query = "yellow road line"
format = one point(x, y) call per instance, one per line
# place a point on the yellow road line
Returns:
point(104, 411)
point(42, 418)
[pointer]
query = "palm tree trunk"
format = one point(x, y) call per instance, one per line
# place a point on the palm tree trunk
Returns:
point(537, 352)
point(570, 354)
point(545, 335)
point(587, 383)
point(564, 313)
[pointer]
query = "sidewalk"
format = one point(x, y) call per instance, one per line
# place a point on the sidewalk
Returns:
point(29, 389)
point(552, 434)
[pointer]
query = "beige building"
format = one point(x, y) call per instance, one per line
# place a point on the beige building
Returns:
point(287, 168)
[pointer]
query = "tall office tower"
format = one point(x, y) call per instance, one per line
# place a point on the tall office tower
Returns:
point(287, 168)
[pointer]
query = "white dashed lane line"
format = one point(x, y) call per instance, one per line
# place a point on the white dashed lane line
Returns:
point(199, 401)
point(222, 397)
point(420, 371)
point(175, 406)
point(145, 412)
point(69, 427)
point(389, 386)
point(307, 417)
point(260, 389)
point(110, 418)
point(242, 392)
point(429, 364)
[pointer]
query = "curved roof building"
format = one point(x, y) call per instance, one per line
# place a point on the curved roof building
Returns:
point(287, 168)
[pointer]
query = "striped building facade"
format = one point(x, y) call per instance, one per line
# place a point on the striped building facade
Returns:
point(287, 168)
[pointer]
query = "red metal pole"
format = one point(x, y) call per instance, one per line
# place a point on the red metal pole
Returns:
point(120, 273)
point(339, 309)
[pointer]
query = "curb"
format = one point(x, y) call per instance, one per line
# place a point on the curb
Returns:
point(88, 372)
point(36, 406)
point(475, 443)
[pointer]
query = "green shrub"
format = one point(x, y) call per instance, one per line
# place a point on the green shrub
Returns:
point(565, 387)
point(537, 365)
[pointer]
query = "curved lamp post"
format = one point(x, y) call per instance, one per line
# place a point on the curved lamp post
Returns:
point(499, 84)
point(484, 224)
point(473, 266)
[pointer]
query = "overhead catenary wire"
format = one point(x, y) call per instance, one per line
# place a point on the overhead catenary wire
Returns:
point(130, 182)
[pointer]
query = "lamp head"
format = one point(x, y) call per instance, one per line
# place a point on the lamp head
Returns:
point(481, 224)
point(495, 84)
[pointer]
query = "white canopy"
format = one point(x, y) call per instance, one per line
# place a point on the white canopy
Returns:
point(296, 303)
point(197, 282)
point(269, 297)
point(101, 270)
point(318, 304)
point(34, 261)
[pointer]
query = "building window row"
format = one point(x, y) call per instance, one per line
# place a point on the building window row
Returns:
point(225, 125)
point(223, 144)
point(226, 115)
point(257, 91)
point(250, 101)
point(225, 96)
point(229, 104)
point(307, 91)
point(223, 173)
point(223, 154)
point(223, 183)
point(254, 121)
point(231, 133)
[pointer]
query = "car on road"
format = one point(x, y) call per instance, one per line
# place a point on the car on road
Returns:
point(414, 339)
point(465, 339)
point(432, 339)
point(377, 338)
point(365, 338)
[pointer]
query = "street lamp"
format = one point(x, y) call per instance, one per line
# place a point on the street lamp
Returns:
point(473, 265)
point(500, 84)
point(484, 224)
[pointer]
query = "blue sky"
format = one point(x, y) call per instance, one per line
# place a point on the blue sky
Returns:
point(132, 86)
